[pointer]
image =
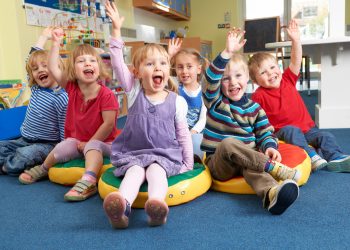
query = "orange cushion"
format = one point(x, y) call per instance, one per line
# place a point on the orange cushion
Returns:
point(292, 156)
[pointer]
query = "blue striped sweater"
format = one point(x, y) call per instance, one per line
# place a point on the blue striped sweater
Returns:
point(244, 120)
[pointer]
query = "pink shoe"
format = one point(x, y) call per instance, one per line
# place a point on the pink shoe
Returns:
point(157, 212)
point(117, 210)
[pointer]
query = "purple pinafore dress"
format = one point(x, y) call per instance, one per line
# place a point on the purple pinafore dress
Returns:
point(148, 137)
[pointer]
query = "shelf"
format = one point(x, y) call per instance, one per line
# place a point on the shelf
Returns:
point(160, 9)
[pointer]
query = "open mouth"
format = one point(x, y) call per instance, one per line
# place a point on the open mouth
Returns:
point(234, 91)
point(88, 72)
point(157, 80)
point(43, 77)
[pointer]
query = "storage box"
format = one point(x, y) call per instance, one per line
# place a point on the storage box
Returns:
point(11, 121)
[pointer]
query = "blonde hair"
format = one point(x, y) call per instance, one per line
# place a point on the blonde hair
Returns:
point(198, 57)
point(240, 60)
point(255, 63)
point(85, 49)
point(142, 53)
point(33, 60)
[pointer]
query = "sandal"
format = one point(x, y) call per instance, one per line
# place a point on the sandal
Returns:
point(32, 175)
point(157, 212)
point(81, 191)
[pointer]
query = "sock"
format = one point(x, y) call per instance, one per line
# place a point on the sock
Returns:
point(44, 167)
point(127, 209)
point(89, 176)
point(312, 154)
point(269, 166)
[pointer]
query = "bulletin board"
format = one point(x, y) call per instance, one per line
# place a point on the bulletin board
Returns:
point(86, 14)
point(259, 32)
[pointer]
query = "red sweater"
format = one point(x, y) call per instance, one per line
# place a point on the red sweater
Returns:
point(284, 106)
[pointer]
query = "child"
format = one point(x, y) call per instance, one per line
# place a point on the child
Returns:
point(155, 142)
point(286, 110)
point(236, 128)
point(43, 126)
point(90, 125)
point(188, 67)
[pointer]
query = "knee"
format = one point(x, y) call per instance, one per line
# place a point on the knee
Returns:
point(93, 145)
point(226, 144)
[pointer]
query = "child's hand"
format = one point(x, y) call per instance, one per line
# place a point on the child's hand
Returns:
point(174, 46)
point(113, 13)
point(293, 30)
point(57, 35)
point(47, 32)
point(81, 146)
point(234, 42)
point(273, 154)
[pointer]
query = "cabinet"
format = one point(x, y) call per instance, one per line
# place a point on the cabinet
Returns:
point(175, 9)
point(203, 46)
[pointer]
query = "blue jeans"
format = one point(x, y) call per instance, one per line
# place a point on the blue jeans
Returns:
point(19, 154)
point(323, 142)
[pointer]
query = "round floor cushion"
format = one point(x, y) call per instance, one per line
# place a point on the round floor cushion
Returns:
point(292, 156)
point(182, 188)
point(70, 172)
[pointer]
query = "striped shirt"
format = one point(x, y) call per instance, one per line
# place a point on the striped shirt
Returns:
point(45, 114)
point(244, 120)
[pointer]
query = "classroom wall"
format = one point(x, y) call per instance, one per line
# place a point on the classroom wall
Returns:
point(347, 12)
point(204, 23)
point(17, 37)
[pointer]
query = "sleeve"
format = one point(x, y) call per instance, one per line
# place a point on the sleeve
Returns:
point(61, 112)
point(265, 137)
point(109, 100)
point(199, 126)
point(213, 75)
point(289, 77)
point(119, 67)
point(183, 134)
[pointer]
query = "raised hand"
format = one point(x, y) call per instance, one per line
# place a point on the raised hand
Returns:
point(57, 35)
point(293, 30)
point(47, 32)
point(117, 20)
point(174, 45)
point(234, 41)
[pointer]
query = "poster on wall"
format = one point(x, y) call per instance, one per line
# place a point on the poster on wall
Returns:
point(69, 14)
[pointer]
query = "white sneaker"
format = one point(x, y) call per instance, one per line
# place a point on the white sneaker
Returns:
point(317, 163)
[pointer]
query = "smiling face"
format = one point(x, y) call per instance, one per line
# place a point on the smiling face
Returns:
point(86, 68)
point(37, 70)
point(153, 71)
point(234, 81)
point(268, 75)
point(187, 69)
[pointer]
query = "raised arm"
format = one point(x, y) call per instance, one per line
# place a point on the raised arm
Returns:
point(296, 51)
point(46, 34)
point(116, 45)
point(174, 45)
point(53, 61)
point(234, 42)
point(213, 74)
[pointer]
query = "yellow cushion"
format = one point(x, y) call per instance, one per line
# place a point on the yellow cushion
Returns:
point(182, 188)
point(292, 156)
point(70, 172)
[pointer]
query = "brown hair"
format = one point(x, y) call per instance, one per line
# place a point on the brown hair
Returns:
point(255, 63)
point(190, 51)
point(85, 49)
point(142, 53)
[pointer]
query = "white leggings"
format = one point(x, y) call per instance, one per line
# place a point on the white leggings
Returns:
point(136, 175)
